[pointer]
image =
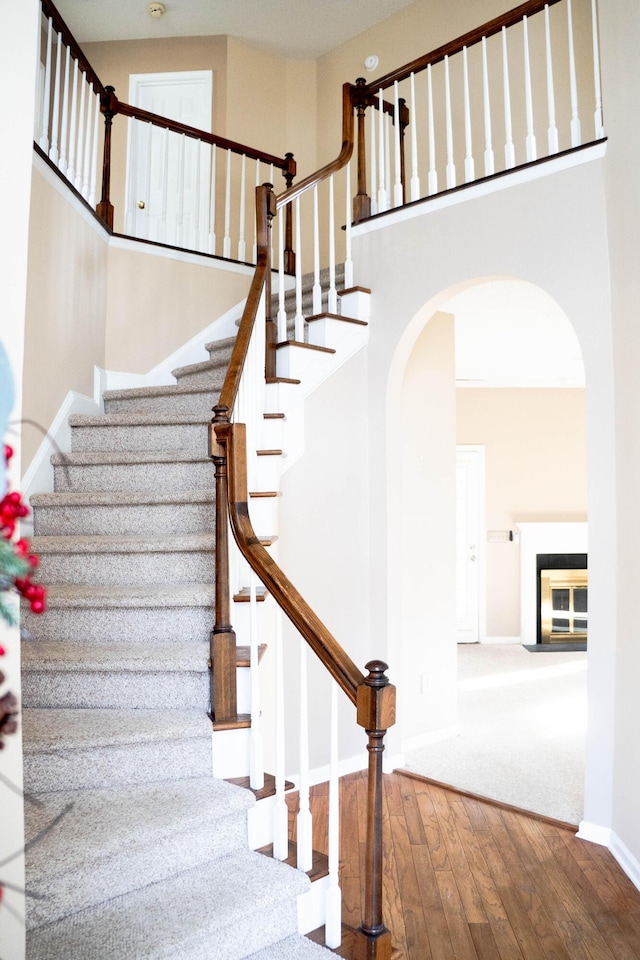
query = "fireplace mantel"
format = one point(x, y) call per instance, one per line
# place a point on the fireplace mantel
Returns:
point(538, 538)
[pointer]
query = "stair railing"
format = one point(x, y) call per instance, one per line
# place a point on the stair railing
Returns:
point(479, 89)
point(372, 694)
point(219, 219)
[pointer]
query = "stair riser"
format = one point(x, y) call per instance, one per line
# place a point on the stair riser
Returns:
point(197, 404)
point(150, 519)
point(100, 625)
point(106, 766)
point(201, 378)
point(192, 475)
point(127, 568)
point(93, 689)
point(134, 867)
point(189, 438)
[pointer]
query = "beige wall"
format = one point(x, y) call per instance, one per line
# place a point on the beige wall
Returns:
point(66, 307)
point(536, 458)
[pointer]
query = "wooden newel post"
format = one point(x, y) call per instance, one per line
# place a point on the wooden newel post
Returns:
point(376, 712)
point(404, 123)
point(361, 201)
point(289, 252)
point(223, 656)
point(266, 211)
point(109, 107)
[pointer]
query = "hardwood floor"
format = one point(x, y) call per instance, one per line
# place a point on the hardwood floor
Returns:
point(469, 880)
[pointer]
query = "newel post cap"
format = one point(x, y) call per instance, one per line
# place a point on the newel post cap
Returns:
point(376, 699)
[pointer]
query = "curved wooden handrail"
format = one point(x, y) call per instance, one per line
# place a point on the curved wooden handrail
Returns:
point(60, 27)
point(527, 9)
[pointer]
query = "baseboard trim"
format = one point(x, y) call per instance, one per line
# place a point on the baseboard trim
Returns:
point(517, 639)
point(426, 739)
point(594, 833)
point(629, 863)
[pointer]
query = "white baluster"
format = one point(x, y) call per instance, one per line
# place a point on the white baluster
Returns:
point(531, 149)
point(451, 167)
point(576, 135)
point(71, 169)
point(64, 129)
point(282, 312)
point(280, 809)
point(197, 145)
point(46, 95)
point(241, 240)
point(382, 190)
point(317, 287)
point(130, 215)
point(374, 162)
point(81, 120)
point(163, 233)
point(348, 261)
point(397, 183)
point(86, 163)
point(333, 900)
point(387, 158)
point(181, 172)
point(256, 754)
point(432, 181)
point(415, 176)
point(299, 319)
point(37, 113)
point(552, 133)
point(597, 116)
point(304, 821)
point(469, 166)
point(255, 224)
point(489, 159)
point(53, 151)
point(212, 205)
point(332, 303)
point(94, 152)
point(226, 246)
point(509, 152)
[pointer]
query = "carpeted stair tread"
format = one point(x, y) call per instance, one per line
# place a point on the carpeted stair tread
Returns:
point(150, 595)
point(77, 729)
point(229, 909)
point(196, 542)
point(109, 457)
point(109, 842)
point(216, 363)
point(115, 498)
point(164, 390)
point(293, 948)
point(79, 657)
point(135, 419)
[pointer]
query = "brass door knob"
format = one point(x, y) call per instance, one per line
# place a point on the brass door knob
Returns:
point(141, 204)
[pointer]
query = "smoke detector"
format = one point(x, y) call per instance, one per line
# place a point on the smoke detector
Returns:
point(371, 63)
point(156, 10)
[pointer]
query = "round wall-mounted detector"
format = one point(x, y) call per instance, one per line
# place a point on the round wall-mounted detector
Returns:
point(371, 62)
point(156, 10)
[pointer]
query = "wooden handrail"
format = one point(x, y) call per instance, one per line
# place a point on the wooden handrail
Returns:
point(527, 9)
point(60, 26)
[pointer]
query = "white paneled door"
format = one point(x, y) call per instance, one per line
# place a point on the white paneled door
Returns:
point(469, 543)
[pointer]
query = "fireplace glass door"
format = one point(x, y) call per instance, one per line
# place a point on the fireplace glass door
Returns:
point(563, 606)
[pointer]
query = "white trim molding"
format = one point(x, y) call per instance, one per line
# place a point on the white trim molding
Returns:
point(594, 833)
point(629, 863)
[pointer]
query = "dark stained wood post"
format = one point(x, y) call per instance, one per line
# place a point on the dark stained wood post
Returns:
point(266, 211)
point(109, 107)
point(361, 201)
point(222, 663)
point(376, 712)
point(289, 253)
point(404, 122)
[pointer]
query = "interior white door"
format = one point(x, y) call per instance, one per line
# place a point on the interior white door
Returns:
point(168, 175)
point(469, 542)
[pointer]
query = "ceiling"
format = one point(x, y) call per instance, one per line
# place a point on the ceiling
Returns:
point(296, 29)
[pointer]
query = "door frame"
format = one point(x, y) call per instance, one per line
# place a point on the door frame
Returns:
point(479, 451)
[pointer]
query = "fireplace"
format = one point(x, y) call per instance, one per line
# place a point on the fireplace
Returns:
point(562, 593)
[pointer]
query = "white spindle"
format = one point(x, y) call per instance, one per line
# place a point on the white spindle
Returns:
point(130, 215)
point(387, 158)
point(46, 94)
point(71, 169)
point(397, 181)
point(280, 809)
point(88, 135)
point(374, 163)
point(552, 133)
point(299, 319)
point(81, 122)
point(37, 113)
point(255, 224)
point(509, 152)
point(197, 144)
point(451, 167)
point(256, 754)
point(212, 205)
point(53, 151)
point(64, 128)
point(181, 174)
point(531, 150)
point(333, 900)
point(597, 116)
point(489, 159)
point(348, 261)
point(382, 189)
point(432, 181)
point(241, 240)
point(317, 287)
point(469, 166)
point(165, 186)
point(93, 185)
point(304, 822)
point(576, 135)
point(226, 246)
point(415, 176)
point(332, 304)
point(282, 313)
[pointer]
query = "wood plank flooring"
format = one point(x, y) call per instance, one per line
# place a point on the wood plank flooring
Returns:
point(469, 880)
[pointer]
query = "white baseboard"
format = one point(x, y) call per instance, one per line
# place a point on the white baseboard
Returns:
point(629, 863)
point(594, 833)
point(501, 640)
point(432, 736)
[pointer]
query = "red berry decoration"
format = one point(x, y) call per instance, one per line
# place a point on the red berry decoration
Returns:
point(8, 452)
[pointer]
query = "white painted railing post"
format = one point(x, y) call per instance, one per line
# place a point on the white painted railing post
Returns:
point(317, 286)
point(415, 175)
point(509, 152)
point(489, 159)
point(64, 129)
point(53, 150)
point(348, 261)
point(304, 822)
point(226, 245)
point(398, 198)
point(280, 810)
point(86, 163)
point(382, 189)
point(451, 167)
point(552, 133)
point(576, 134)
point(469, 165)
point(299, 318)
point(333, 901)
point(71, 168)
point(46, 94)
point(256, 753)
point(282, 312)
point(181, 173)
point(241, 240)
point(255, 223)
point(81, 121)
point(163, 232)
point(531, 150)
point(93, 185)
point(332, 302)
point(212, 202)
point(432, 181)
point(597, 116)
point(374, 162)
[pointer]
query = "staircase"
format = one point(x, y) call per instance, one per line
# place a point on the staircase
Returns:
point(134, 849)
